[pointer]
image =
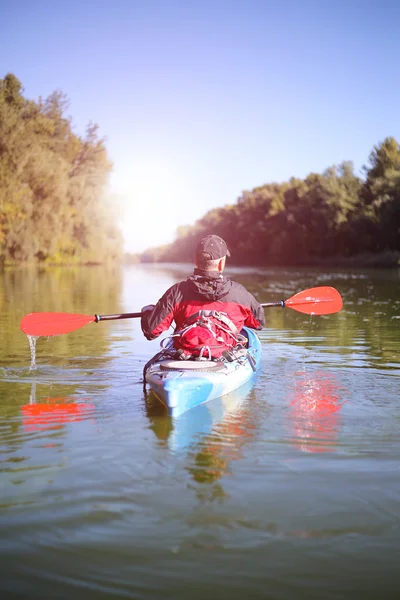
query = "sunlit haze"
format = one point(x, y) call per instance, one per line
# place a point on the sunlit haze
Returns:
point(200, 101)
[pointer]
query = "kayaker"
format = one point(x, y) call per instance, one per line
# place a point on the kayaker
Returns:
point(208, 309)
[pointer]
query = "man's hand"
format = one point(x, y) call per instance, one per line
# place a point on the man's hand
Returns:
point(148, 308)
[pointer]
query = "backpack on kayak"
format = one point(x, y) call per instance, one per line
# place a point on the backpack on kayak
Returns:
point(207, 335)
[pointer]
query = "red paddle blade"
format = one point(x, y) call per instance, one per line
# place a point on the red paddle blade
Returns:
point(316, 301)
point(53, 323)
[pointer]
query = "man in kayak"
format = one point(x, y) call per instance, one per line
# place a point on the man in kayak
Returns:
point(208, 309)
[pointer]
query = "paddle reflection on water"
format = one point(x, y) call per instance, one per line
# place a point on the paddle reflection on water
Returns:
point(52, 413)
point(315, 404)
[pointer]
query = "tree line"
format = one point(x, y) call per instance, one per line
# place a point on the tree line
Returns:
point(54, 205)
point(324, 217)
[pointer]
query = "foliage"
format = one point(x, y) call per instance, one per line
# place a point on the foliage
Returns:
point(332, 215)
point(53, 202)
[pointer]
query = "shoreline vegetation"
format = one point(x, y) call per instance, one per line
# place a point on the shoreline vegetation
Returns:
point(381, 260)
point(331, 219)
point(55, 208)
point(54, 204)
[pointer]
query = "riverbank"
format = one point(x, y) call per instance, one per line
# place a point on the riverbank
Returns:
point(381, 260)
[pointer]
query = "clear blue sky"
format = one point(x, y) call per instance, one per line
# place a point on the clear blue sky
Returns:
point(201, 100)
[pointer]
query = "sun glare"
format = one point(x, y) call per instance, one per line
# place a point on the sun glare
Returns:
point(155, 202)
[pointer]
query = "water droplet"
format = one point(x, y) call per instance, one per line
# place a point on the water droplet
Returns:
point(32, 339)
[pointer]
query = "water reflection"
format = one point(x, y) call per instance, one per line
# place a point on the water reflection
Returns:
point(117, 499)
point(314, 416)
point(52, 413)
point(212, 434)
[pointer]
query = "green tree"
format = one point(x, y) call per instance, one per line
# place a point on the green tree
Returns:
point(328, 215)
point(381, 194)
point(54, 204)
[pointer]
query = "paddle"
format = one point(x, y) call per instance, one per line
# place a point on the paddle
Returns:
point(314, 301)
point(52, 323)
point(322, 300)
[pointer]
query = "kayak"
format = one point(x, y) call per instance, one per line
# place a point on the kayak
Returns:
point(182, 385)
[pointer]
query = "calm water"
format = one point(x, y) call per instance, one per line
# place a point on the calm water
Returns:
point(287, 489)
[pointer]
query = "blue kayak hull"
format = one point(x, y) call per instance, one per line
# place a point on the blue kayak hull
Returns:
point(181, 390)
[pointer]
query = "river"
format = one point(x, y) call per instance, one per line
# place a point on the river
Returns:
point(287, 489)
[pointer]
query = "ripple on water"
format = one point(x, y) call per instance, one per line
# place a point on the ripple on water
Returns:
point(275, 491)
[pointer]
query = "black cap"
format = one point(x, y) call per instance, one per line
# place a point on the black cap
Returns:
point(213, 246)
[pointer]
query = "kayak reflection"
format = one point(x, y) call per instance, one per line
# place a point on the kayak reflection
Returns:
point(213, 455)
point(212, 434)
point(315, 404)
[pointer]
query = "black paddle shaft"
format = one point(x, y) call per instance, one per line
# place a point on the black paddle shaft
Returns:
point(268, 304)
point(115, 317)
point(137, 315)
